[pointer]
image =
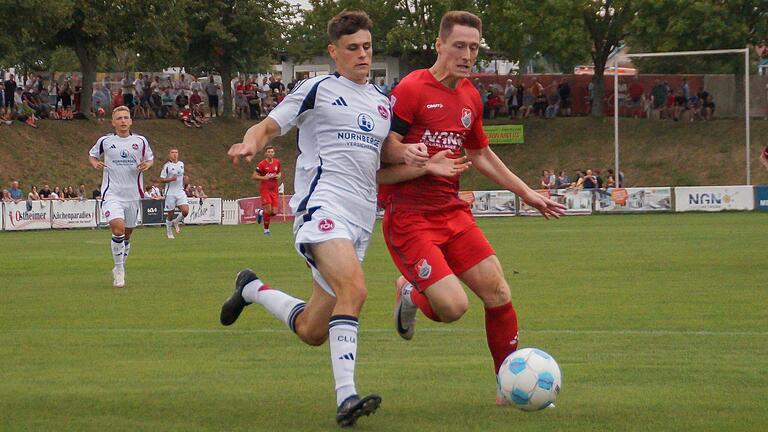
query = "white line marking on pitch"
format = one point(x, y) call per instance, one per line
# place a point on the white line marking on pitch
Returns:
point(381, 330)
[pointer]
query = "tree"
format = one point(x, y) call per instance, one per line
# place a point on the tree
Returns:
point(230, 36)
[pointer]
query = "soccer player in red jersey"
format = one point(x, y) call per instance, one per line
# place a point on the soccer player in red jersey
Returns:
point(764, 157)
point(268, 171)
point(430, 232)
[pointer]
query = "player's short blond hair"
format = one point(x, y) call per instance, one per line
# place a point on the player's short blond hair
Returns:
point(121, 108)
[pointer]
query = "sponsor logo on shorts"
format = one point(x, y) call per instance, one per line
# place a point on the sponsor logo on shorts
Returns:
point(107, 213)
point(135, 146)
point(326, 225)
point(423, 269)
point(384, 112)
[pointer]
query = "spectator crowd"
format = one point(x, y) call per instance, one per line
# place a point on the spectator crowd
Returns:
point(582, 179)
point(14, 193)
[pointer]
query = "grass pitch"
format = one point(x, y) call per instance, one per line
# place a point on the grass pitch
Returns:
point(658, 323)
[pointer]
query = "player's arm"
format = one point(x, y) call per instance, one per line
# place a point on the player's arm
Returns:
point(489, 165)
point(145, 165)
point(255, 139)
point(440, 164)
point(96, 163)
point(394, 151)
point(257, 176)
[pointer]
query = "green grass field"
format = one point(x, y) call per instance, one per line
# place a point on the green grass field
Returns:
point(658, 323)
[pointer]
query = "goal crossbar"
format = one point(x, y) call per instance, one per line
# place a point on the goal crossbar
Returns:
point(744, 51)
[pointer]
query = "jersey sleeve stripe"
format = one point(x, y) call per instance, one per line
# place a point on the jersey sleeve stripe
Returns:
point(101, 144)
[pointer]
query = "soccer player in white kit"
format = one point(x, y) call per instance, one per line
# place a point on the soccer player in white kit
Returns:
point(124, 157)
point(173, 177)
point(342, 121)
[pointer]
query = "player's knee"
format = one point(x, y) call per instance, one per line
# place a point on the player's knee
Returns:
point(315, 337)
point(454, 311)
point(497, 293)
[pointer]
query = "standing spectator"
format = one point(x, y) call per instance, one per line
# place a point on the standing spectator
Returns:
point(264, 91)
point(34, 195)
point(512, 99)
point(167, 107)
point(16, 192)
point(564, 90)
point(553, 101)
point(156, 86)
point(6, 197)
point(127, 87)
point(590, 181)
point(276, 84)
point(57, 194)
point(181, 85)
point(70, 193)
point(635, 95)
point(659, 96)
point(156, 104)
point(81, 193)
point(45, 192)
point(196, 85)
point(212, 90)
point(686, 91)
point(10, 89)
point(620, 182)
point(382, 86)
point(547, 180)
point(201, 192)
point(540, 98)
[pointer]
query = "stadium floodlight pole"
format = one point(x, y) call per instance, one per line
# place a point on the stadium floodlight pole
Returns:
point(689, 53)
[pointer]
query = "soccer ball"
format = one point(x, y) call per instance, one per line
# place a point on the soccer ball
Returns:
point(530, 379)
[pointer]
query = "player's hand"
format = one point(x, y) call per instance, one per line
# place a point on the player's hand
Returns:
point(416, 155)
point(144, 166)
point(99, 165)
point(240, 150)
point(545, 206)
point(442, 165)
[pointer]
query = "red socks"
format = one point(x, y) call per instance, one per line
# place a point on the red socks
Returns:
point(501, 332)
point(422, 302)
point(267, 217)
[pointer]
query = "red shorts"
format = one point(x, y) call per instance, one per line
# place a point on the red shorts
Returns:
point(429, 247)
point(269, 196)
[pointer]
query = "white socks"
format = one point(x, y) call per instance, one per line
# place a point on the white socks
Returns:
point(281, 305)
point(118, 251)
point(342, 336)
point(126, 251)
point(405, 294)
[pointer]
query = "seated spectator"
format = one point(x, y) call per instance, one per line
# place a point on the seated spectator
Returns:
point(6, 197)
point(156, 104)
point(547, 180)
point(201, 192)
point(562, 181)
point(168, 109)
point(185, 115)
point(117, 98)
point(579, 183)
point(34, 195)
point(189, 191)
point(69, 193)
point(182, 100)
point(493, 105)
point(195, 100)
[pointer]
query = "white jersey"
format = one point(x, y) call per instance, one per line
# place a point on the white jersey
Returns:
point(122, 180)
point(171, 169)
point(342, 126)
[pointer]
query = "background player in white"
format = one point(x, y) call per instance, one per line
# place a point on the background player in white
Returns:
point(123, 157)
point(172, 175)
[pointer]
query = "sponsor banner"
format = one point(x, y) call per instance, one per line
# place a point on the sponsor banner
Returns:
point(576, 201)
point(74, 214)
point(204, 211)
point(493, 203)
point(504, 134)
point(230, 212)
point(761, 198)
point(714, 198)
point(621, 200)
point(249, 207)
point(152, 212)
point(27, 215)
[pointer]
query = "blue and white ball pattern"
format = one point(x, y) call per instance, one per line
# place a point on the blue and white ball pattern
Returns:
point(530, 379)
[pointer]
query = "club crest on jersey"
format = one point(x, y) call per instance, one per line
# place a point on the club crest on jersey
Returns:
point(384, 112)
point(123, 154)
point(466, 117)
point(135, 146)
point(326, 225)
point(365, 122)
point(423, 269)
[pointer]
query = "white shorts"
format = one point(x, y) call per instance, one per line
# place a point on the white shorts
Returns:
point(125, 210)
point(174, 200)
point(319, 226)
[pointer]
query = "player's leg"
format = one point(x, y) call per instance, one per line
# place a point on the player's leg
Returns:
point(183, 212)
point(266, 212)
point(131, 211)
point(115, 215)
point(170, 215)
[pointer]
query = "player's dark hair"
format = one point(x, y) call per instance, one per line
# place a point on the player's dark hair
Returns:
point(347, 23)
point(269, 146)
point(454, 18)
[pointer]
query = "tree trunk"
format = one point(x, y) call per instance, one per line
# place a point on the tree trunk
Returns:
point(226, 89)
point(598, 84)
point(88, 67)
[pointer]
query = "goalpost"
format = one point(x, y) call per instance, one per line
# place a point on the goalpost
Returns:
point(744, 51)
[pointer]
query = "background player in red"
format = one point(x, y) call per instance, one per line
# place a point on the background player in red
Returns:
point(764, 157)
point(268, 171)
point(430, 232)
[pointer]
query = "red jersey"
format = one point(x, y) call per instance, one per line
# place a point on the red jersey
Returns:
point(765, 152)
point(264, 168)
point(427, 111)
